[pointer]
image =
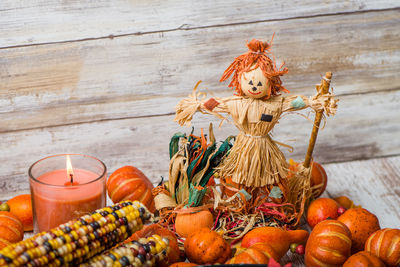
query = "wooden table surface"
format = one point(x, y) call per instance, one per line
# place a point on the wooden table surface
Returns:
point(102, 78)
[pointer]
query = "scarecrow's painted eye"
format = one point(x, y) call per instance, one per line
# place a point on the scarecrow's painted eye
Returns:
point(259, 84)
point(251, 82)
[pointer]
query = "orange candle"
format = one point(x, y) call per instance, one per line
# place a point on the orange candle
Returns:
point(55, 199)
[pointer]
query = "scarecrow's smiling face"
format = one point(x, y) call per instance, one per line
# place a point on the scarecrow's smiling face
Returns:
point(254, 84)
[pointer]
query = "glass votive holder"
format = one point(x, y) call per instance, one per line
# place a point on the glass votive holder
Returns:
point(63, 191)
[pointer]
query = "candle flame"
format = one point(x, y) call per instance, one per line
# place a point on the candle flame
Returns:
point(70, 170)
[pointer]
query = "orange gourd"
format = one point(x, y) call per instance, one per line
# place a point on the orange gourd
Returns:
point(11, 229)
point(129, 183)
point(21, 207)
point(174, 254)
point(206, 247)
point(361, 224)
point(277, 238)
point(259, 253)
point(363, 259)
point(329, 244)
point(385, 244)
point(187, 223)
point(298, 236)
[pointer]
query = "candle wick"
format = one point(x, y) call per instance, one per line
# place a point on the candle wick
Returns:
point(72, 178)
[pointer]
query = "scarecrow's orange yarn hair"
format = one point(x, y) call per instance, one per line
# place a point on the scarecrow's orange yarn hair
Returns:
point(257, 56)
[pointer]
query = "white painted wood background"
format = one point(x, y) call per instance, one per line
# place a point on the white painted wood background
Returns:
point(102, 78)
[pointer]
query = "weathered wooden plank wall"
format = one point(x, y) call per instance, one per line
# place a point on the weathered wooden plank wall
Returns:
point(132, 76)
point(102, 77)
point(48, 21)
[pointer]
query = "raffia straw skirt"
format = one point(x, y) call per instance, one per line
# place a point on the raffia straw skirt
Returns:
point(254, 161)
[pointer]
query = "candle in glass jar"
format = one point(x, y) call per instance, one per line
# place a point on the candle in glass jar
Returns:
point(56, 200)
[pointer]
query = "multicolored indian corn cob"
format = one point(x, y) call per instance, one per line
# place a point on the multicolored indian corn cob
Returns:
point(78, 240)
point(150, 251)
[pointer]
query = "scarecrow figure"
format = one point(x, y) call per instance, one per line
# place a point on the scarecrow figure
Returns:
point(255, 161)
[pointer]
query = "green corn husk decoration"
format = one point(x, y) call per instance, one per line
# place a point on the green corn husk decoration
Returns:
point(174, 144)
point(196, 195)
point(216, 159)
point(193, 163)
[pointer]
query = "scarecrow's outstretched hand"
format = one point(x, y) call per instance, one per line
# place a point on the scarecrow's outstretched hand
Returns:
point(196, 102)
point(325, 102)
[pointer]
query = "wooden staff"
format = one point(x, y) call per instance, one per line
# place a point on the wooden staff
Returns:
point(322, 89)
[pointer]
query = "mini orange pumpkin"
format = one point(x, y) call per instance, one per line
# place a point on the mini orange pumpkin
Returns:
point(187, 223)
point(319, 179)
point(206, 246)
point(11, 229)
point(363, 259)
point(174, 254)
point(259, 253)
point(322, 209)
point(21, 206)
point(385, 244)
point(129, 183)
point(277, 238)
point(329, 244)
point(361, 224)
